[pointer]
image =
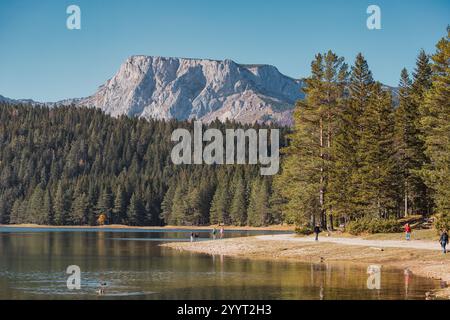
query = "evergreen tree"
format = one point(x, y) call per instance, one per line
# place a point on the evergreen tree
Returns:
point(258, 209)
point(80, 210)
point(378, 171)
point(421, 195)
point(436, 128)
point(105, 204)
point(193, 207)
point(16, 213)
point(36, 206)
point(136, 211)
point(4, 212)
point(220, 204)
point(61, 206)
point(179, 205)
point(207, 187)
point(48, 208)
point(119, 211)
point(238, 203)
point(167, 203)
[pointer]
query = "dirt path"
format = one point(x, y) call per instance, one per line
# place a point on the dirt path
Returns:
point(413, 244)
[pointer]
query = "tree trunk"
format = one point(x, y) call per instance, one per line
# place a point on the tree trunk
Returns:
point(322, 178)
point(406, 198)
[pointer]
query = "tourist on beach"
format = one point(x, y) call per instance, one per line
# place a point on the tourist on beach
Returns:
point(101, 289)
point(408, 231)
point(317, 231)
point(222, 231)
point(192, 237)
point(444, 241)
point(214, 233)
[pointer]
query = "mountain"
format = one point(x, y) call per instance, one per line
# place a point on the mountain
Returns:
point(22, 101)
point(165, 88)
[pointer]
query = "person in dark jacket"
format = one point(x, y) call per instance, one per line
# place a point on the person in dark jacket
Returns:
point(444, 241)
point(317, 231)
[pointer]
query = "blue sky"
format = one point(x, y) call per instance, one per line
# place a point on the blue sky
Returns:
point(43, 60)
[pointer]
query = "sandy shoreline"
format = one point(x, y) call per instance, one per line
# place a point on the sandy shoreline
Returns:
point(117, 226)
point(423, 258)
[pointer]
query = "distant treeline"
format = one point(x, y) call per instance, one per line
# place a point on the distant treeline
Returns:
point(67, 166)
point(353, 154)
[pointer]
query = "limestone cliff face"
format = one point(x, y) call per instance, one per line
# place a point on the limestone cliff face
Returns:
point(165, 88)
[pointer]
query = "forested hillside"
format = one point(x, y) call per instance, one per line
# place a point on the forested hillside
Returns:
point(67, 166)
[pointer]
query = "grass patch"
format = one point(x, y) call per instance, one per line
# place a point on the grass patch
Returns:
point(425, 234)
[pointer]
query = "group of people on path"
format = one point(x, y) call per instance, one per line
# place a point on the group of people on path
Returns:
point(221, 233)
point(443, 240)
point(215, 234)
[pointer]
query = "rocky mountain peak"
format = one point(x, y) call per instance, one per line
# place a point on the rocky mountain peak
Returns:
point(185, 88)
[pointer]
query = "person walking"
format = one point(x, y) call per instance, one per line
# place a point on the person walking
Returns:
point(317, 231)
point(222, 231)
point(214, 233)
point(444, 241)
point(408, 231)
point(192, 237)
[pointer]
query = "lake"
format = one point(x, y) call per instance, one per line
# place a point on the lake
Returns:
point(131, 263)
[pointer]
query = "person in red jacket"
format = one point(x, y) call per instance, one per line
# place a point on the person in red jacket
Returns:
point(408, 231)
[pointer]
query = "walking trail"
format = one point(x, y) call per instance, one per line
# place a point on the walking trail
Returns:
point(412, 244)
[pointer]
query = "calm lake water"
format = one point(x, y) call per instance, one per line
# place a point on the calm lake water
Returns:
point(33, 265)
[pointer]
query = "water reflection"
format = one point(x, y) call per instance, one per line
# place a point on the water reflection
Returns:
point(374, 279)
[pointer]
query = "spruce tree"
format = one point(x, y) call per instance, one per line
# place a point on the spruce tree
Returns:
point(61, 206)
point(378, 189)
point(48, 208)
point(167, 203)
point(436, 127)
point(16, 213)
point(258, 209)
point(136, 211)
point(220, 204)
point(422, 198)
point(4, 212)
point(120, 207)
point(36, 206)
point(105, 204)
point(193, 211)
point(80, 210)
point(238, 202)
point(179, 205)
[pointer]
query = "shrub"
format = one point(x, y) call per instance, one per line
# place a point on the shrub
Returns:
point(373, 225)
point(304, 230)
point(442, 222)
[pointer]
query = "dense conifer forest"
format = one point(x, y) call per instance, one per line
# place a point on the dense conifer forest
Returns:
point(352, 154)
point(67, 166)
